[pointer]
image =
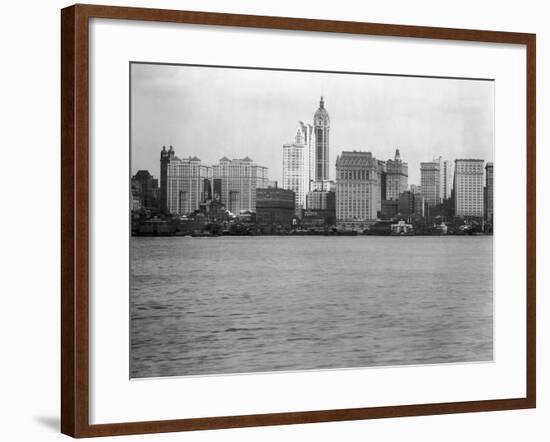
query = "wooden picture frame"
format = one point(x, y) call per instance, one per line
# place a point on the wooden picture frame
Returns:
point(75, 379)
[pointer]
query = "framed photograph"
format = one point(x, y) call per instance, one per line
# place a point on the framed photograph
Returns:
point(271, 221)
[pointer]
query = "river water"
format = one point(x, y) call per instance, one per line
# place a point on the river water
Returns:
point(253, 304)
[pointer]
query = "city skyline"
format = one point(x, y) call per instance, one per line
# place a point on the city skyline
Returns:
point(454, 117)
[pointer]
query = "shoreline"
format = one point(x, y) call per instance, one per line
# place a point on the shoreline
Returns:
point(338, 235)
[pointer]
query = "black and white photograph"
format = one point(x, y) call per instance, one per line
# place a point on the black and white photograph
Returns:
point(288, 220)
point(237, 221)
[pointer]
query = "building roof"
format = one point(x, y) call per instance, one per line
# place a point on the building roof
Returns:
point(355, 158)
point(238, 160)
point(430, 164)
point(469, 159)
point(143, 174)
point(321, 113)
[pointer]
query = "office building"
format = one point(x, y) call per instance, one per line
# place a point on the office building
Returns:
point(296, 169)
point(136, 196)
point(165, 157)
point(489, 192)
point(323, 185)
point(146, 187)
point(382, 179)
point(357, 187)
point(182, 183)
point(308, 139)
point(397, 177)
point(321, 200)
point(321, 204)
point(468, 188)
point(239, 179)
point(446, 170)
point(274, 208)
point(430, 182)
point(411, 204)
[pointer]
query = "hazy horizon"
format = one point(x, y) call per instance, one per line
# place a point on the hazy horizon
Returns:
point(211, 112)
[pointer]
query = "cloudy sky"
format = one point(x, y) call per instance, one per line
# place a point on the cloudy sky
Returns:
point(213, 112)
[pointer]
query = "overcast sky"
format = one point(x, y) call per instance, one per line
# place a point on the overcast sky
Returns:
point(214, 112)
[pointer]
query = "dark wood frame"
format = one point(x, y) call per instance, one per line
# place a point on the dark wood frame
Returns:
point(74, 220)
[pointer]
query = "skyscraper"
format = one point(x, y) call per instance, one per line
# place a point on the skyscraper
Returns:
point(308, 136)
point(357, 187)
point(411, 203)
point(383, 180)
point(446, 178)
point(296, 169)
point(430, 182)
point(239, 180)
point(468, 188)
point(182, 182)
point(397, 177)
point(489, 217)
point(321, 124)
point(165, 157)
point(145, 184)
point(446, 170)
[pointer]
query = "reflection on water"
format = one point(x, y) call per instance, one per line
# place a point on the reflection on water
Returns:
point(251, 304)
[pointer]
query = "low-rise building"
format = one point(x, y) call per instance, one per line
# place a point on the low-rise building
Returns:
point(402, 228)
point(389, 208)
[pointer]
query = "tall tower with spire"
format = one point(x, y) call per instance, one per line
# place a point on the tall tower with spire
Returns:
point(397, 177)
point(321, 124)
point(295, 168)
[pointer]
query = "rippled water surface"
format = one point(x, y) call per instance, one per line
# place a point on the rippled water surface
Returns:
point(250, 304)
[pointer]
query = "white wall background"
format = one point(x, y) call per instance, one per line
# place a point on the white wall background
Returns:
point(29, 218)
